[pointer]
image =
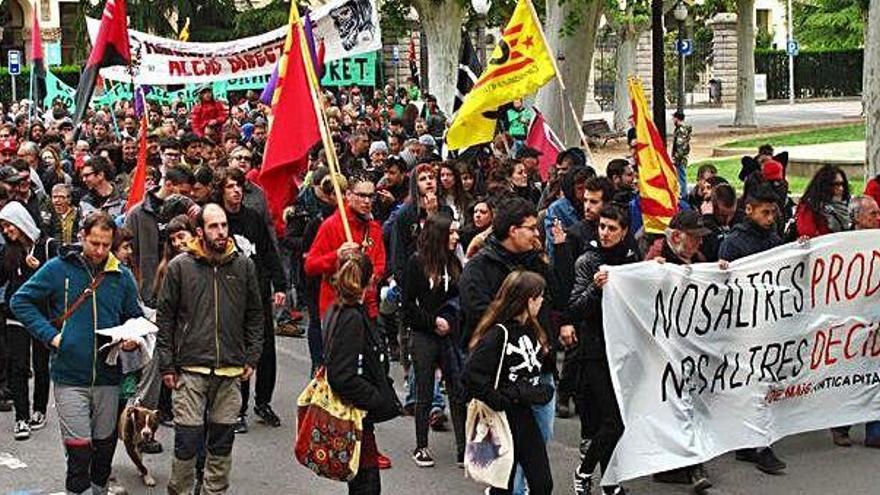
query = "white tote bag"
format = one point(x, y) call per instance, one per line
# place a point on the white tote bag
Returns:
point(488, 454)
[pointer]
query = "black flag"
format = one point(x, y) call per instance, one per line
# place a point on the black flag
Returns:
point(111, 48)
point(469, 70)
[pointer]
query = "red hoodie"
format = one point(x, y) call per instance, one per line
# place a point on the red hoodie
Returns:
point(872, 188)
point(321, 258)
point(205, 112)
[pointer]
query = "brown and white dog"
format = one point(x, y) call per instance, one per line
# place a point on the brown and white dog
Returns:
point(136, 426)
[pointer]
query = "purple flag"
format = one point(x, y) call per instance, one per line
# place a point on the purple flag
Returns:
point(140, 96)
point(269, 90)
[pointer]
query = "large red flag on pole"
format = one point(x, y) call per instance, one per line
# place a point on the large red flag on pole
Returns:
point(293, 125)
point(110, 48)
point(38, 68)
point(139, 182)
point(542, 138)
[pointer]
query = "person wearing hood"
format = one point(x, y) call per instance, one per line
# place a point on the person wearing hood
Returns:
point(208, 342)
point(585, 309)
point(22, 254)
point(568, 209)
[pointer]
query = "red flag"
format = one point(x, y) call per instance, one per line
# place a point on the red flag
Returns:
point(139, 181)
point(293, 125)
point(38, 80)
point(542, 138)
point(111, 48)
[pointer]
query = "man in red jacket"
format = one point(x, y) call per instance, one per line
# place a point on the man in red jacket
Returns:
point(330, 242)
point(207, 112)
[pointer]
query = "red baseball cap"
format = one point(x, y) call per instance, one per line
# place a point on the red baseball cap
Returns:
point(773, 170)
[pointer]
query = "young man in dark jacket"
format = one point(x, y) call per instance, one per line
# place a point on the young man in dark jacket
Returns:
point(754, 235)
point(757, 232)
point(254, 238)
point(210, 320)
point(86, 387)
point(515, 244)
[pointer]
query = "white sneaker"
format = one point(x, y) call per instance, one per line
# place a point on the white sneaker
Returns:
point(21, 430)
point(38, 420)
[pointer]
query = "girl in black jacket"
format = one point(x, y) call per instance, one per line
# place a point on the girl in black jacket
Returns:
point(512, 316)
point(585, 309)
point(356, 364)
point(23, 253)
point(430, 306)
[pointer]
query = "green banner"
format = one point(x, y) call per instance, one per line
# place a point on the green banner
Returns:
point(56, 88)
point(359, 70)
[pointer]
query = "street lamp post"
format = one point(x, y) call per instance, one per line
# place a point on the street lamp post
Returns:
point(680, 12)
point(481, 8)
point(658, 64)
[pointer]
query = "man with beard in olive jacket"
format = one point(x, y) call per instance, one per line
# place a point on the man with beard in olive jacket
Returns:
point(210, 320)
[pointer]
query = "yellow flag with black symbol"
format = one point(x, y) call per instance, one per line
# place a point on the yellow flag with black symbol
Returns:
point(520, 64)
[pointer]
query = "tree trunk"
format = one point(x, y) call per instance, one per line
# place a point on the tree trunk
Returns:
point(871, 93)
point(574, 53)
point(626, 66)
point(745, 64)
point(441, 23)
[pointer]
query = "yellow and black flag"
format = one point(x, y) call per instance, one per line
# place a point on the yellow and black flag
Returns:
point(520, 64)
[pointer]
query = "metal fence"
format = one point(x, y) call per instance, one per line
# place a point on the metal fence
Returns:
point(816, 74)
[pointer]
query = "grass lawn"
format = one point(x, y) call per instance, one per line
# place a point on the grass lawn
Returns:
point(855, 132)
point(729, 169)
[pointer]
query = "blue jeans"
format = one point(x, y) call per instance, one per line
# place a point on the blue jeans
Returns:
point(872, 431)
point(544, 416)
point(410, 399)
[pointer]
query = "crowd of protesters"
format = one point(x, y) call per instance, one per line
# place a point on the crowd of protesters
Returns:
point(457, 266)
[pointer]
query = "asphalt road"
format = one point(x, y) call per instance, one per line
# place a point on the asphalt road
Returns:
point(264, 464)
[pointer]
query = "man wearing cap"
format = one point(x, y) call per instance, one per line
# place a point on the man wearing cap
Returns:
point(207, 111)
point(8, 150)
point(681, 246)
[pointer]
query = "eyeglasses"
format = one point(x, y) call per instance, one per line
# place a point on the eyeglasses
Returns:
point(246, 158)
point(533, 227)
point(364, 195)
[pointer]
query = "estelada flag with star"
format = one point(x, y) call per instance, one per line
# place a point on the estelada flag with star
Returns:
point(658, 182)
point(519, 65)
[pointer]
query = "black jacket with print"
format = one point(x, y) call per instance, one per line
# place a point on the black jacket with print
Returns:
point(519, 384)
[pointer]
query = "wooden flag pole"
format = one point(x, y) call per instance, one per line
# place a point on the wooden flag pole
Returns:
point(577, 122)
point(323, 126)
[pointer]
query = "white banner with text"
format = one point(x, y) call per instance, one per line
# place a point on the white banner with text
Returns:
point(706, 361)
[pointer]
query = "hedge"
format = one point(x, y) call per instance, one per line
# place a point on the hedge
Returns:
point(67, 73)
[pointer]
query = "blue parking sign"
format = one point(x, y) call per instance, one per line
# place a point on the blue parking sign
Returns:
point(792, 48)
point(14, 58)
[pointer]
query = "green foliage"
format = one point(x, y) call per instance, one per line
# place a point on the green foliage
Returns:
point(855, 132)
point(763, 40)
point(252, 22)
point(830, 24)
point(67, 73)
